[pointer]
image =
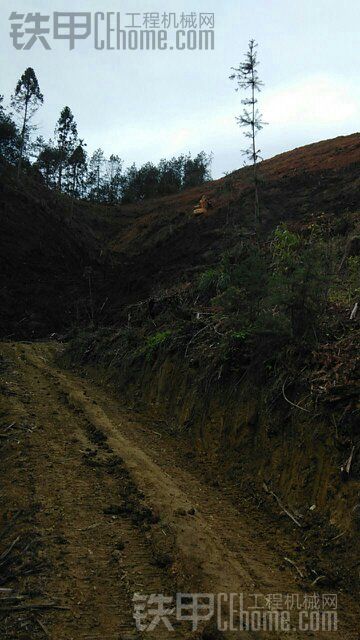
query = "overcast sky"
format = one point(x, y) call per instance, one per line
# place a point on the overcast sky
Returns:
point(145, 105)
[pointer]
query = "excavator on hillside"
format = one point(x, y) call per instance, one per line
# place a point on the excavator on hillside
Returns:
point(202, 207)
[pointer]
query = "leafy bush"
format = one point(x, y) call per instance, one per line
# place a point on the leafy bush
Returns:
point(213, 281)
point(153, 344)
point(299, 281)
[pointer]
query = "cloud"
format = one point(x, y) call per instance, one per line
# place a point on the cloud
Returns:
point(312, 108)
point(312, 100)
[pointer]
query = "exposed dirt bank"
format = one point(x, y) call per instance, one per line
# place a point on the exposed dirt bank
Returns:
point(98, 502)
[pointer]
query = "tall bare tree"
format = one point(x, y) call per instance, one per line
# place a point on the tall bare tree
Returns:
point(247, 78)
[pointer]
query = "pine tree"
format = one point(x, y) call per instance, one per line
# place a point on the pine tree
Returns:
point(196, 170)
point(130, 190)
point(95, 181)
point(171, 175)
point(247, 77)
point(26, 100)
point(77, 164)
point(114, 179)
point(66, 138)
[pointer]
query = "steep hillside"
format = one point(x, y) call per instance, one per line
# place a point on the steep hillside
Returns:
point(65, 262)
point(45, 250)
point(160, 242)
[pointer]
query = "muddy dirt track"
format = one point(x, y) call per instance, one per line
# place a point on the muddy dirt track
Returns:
point(99, 504)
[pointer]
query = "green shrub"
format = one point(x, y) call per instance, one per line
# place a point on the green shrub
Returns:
point(153, 343)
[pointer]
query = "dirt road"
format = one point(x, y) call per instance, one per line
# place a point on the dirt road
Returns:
point(99, 504)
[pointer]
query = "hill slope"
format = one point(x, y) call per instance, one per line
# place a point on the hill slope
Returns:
point(135, 250)
point(161, 242)
point(44, 250)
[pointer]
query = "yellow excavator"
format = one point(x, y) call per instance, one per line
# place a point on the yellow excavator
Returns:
point(202, 207)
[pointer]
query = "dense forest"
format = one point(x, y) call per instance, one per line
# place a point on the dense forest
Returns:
point(63, 163)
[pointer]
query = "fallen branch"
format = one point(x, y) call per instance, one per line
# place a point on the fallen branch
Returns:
point(346, 468)
point(314, 582)
point(354, 311)
point(193, 338)
point(296, 567)
point(297, 406)
point(5, 531)
point(42, 626)
point(9, 426)
point(349, 461)
point(152, 430)
point(290, 515)
point(340, 535)
point(9, 549)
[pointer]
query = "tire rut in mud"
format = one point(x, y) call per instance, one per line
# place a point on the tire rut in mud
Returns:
point(91, 527)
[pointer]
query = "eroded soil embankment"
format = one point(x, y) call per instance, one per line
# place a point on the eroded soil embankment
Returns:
point(278, 454)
